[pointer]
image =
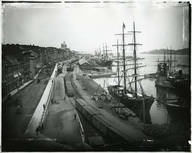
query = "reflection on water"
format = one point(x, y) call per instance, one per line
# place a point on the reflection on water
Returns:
point(159, 114)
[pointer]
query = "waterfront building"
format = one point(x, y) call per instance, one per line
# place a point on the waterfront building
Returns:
point(33, 64)
point(63, 46)
point(83, 64)
point(66, 53)
point(26, 66)
point(63, 49)
point(12, 74)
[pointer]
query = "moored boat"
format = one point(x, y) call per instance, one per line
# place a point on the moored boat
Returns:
point(139, 103)
point(106, 63)
point(179, 109)
point(103, 59)
point(133, 102)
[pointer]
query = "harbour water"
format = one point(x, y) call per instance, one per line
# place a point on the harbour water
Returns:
point(158, 111)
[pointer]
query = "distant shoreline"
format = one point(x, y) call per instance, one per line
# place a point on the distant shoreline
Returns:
point(159, 53)
point(184, 51)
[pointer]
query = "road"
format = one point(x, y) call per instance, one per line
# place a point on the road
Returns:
point(60, 123)
point(14, 125)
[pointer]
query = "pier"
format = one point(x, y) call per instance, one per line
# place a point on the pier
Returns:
point(126, 128)
point(64, 126)
point(96, 77)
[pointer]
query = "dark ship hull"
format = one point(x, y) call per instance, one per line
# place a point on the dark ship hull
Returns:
point(106, 63)
point(163, 84)
point(178, 111)
point(134, 104)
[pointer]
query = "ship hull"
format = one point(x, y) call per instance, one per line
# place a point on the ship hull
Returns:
point(177, 111)
point(106, 63)
point(163, 82)
point(135, 104)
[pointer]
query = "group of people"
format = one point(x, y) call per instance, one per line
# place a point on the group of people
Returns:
point(40, 128)
point(52, 101)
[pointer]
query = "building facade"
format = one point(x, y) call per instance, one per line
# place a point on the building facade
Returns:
point(26, 65)
point(12, 74)
point(33, 64)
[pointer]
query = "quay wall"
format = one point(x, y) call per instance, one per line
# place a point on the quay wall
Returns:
point(130, 129)
point(49, 91)
point(41, 112)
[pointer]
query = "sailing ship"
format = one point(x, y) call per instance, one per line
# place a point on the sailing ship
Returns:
point(178, 108)
point(165, 73)
point(140, 104)
point(103, 59)
point(168, 77)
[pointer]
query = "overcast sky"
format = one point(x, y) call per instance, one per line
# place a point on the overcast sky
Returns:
point(87, 27)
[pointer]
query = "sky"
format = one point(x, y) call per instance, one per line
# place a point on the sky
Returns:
point(87, 27)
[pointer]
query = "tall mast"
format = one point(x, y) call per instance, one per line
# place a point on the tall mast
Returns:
point(123, 45)
point(118, 62)
point(124, 70)
point(170, 60)
point(103, 52)
point(175, 61)
point(106, 52)
point(135, 57)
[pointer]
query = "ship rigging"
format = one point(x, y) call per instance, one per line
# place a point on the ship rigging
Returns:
point(138, 103)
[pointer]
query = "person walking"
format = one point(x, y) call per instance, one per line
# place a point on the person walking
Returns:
point(42, 127)
point(75, 116)
point(44, 106)
point(37, 130)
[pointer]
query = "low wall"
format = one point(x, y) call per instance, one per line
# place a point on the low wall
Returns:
point(45, 99)
point(41, 110)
